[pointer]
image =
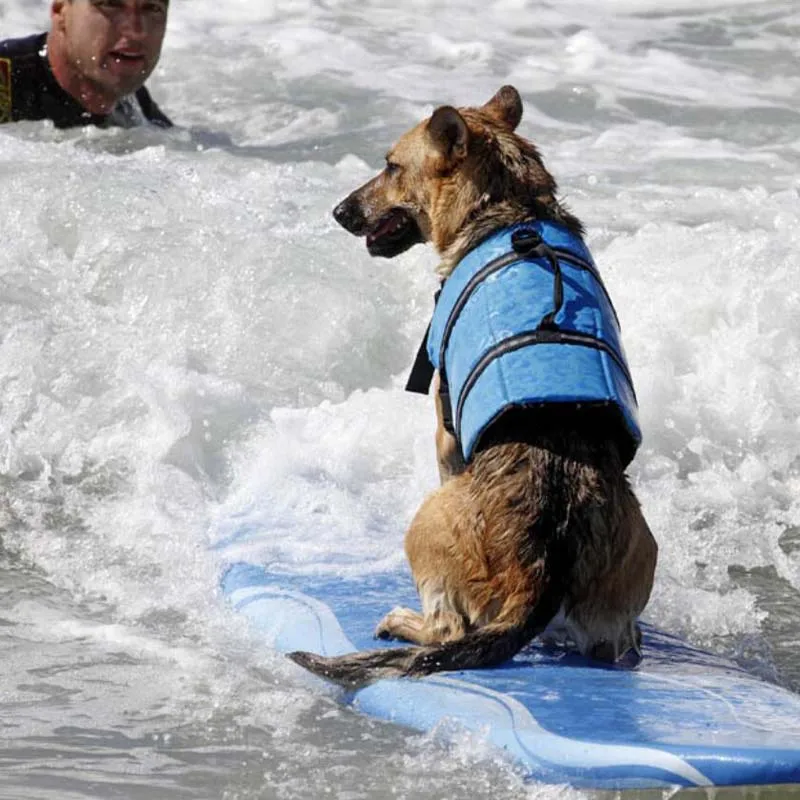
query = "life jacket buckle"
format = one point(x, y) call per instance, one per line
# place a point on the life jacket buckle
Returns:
point(526, 241)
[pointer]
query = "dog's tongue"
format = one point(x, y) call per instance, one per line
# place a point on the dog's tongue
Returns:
point(385, 227)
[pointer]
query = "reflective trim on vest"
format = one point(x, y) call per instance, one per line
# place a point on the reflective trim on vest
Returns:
point(486, 335)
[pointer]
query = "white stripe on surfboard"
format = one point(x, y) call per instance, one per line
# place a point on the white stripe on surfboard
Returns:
point(568, 752)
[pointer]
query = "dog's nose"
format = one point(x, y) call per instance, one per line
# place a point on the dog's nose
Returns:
point(348, 214)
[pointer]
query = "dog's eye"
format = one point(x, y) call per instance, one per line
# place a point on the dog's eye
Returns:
point(392, 168)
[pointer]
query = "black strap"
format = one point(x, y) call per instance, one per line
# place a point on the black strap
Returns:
point(421, 375)
point(447, 406)
point(527, 243)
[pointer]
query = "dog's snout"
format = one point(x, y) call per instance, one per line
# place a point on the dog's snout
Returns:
point(349, 215)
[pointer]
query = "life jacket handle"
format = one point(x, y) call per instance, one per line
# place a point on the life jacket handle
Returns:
point(528, 243)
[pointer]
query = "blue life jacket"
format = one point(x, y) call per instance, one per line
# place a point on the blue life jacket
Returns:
point(524, 320)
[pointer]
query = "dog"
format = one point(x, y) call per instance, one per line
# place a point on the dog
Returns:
point(535, 520)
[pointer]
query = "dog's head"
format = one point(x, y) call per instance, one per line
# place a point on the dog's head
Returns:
point(451, 179)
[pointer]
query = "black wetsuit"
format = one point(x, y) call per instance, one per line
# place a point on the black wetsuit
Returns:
point(29, 91)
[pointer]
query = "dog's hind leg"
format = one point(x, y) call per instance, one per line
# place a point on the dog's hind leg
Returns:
point(428, 628)
point(401, 623)
point(445, 568)
point(603, 618)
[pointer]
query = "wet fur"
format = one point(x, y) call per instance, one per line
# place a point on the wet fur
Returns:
point(542, 522)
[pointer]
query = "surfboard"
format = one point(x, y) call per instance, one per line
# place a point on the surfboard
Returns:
point(681, 717)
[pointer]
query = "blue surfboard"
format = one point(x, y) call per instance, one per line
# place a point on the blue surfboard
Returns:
point(681, 717)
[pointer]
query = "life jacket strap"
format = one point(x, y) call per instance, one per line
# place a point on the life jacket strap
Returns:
point(420, 379)
point(528, 244)
point(448, 421)
point(421, 375)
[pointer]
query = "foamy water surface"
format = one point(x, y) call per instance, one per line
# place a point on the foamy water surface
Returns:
point(186, 333)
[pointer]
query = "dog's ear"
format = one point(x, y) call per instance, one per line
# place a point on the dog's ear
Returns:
point(506, 107)
point(449, 133)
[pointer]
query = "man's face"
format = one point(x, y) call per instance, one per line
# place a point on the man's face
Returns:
point(114, 44)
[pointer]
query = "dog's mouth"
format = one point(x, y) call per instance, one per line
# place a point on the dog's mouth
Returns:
point(393, 234)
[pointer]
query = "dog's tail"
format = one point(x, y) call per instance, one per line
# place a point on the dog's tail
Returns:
point(485, 647)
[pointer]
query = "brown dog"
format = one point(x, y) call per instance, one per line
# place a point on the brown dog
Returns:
point(538, 520)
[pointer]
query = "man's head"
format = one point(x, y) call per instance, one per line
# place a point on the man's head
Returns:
point(102, 50)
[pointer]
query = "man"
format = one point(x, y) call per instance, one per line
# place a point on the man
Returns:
point(89, 69)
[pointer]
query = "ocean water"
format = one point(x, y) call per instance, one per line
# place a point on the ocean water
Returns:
point(185, 331)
